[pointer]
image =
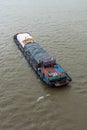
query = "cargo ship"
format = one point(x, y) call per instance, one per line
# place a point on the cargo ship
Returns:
point(42, 63)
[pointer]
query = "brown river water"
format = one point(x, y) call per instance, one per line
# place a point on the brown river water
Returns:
point(26, 103)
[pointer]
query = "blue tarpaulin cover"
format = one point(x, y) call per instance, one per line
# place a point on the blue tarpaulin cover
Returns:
point(36, 51)
point(59, 68)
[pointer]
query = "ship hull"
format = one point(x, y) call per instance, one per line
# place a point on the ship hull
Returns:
point(42, 72)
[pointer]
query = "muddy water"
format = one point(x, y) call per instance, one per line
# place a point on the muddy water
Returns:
point(26, 103)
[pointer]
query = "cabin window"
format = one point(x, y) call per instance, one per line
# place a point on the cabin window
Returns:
point(49, 65)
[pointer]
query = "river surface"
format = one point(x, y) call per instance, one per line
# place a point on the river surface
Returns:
point(26, 103)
